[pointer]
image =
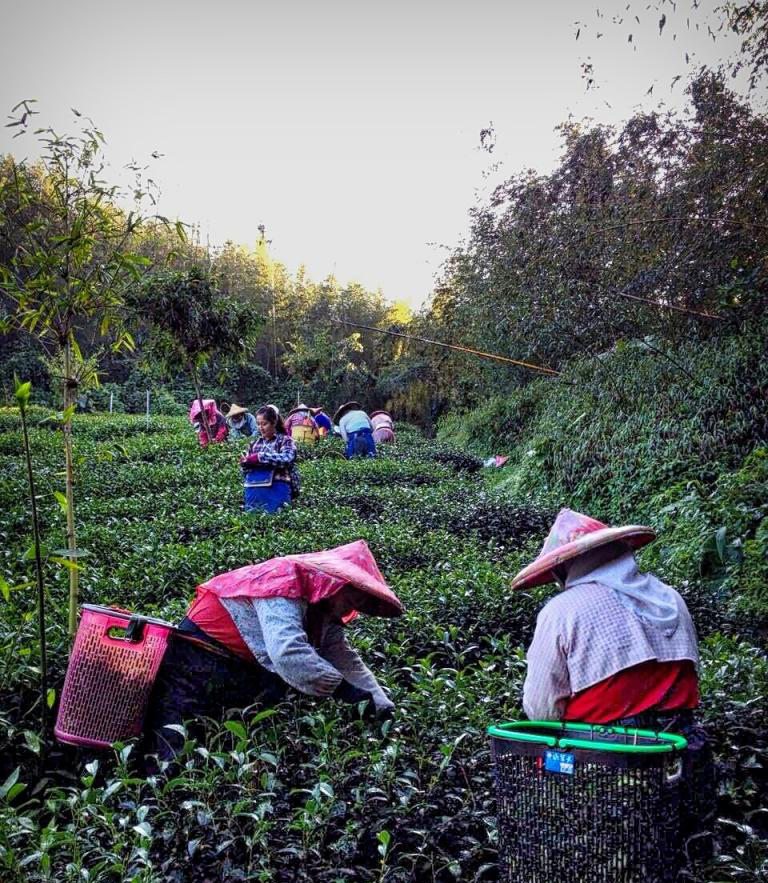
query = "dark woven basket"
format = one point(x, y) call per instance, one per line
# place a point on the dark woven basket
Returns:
point(587, 804)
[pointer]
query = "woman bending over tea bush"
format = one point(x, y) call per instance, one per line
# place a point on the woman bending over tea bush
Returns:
point(255, 631)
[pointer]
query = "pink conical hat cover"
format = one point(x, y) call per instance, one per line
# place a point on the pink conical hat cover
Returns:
point(573, 534)
point(210, 408)
point(311, 577)
point(381, 419)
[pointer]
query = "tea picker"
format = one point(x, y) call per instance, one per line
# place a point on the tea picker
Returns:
point(301, 426)
point(217, 428)
point(356, 429)
point(270, 475)
point(323, 422)
point(383, 428)
point(612, 763)
point(249, 635)
point(241, 423)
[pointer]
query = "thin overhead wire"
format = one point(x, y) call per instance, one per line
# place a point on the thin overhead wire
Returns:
point(662, 306)
point(454, 346)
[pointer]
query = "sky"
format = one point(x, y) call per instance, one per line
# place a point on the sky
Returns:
point(351, 130)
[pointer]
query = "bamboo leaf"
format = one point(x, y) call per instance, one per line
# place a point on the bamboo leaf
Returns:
point(22, 391)
point(29, 555)
point(62, 501)
point(65, 562)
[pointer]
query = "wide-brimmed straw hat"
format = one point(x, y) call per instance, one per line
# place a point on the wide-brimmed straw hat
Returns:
point(299, 408)
point(315, 411)
point(236, 411)
point(347, 406)
point(571, 535)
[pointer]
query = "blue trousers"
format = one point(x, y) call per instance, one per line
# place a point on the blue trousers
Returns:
point(360, 443)
point(267, 499)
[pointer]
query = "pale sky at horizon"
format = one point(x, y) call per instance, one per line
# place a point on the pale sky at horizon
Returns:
point(350, 130)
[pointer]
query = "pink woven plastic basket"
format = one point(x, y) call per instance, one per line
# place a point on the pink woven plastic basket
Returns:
point(111, 671)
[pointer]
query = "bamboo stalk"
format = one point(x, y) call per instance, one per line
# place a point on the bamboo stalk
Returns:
point(74, 576)
point(40, 586)
point(203, 415)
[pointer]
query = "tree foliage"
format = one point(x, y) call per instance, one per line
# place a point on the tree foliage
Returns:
point(66, 261)
point(636, 233)
point(191, 319)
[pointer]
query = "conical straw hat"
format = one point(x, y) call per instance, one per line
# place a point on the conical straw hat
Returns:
point(571, 535)
point(347, 406)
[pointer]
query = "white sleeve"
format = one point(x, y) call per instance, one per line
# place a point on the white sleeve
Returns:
point(547, 682)
point(347, 661)
point(294, 658)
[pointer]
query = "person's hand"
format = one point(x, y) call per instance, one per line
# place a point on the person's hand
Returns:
point(347, 692)
point(249, 460)
point(385, 713)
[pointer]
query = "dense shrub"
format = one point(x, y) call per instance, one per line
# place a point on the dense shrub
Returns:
point(676, 441)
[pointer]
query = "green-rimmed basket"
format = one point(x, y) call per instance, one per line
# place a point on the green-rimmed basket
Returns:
point(581, 802)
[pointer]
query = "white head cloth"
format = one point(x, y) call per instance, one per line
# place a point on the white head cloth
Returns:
point(641, 593)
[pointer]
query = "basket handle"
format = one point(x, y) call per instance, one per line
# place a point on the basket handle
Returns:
point(135, 630)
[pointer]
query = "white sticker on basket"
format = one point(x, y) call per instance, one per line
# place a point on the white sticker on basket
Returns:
point(558, 762)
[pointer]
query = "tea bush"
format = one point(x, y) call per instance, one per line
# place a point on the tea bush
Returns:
point(307, 790)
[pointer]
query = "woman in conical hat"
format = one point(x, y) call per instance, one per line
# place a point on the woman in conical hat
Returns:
point(323, 421)
point(356, 429)
point(383, 428)
point(615, 644)
point(300, 424)
point(252, 632)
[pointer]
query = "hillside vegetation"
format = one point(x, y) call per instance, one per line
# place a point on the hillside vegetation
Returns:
point(675, 438)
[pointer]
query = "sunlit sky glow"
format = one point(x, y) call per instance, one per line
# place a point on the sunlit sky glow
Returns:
point(350, 129)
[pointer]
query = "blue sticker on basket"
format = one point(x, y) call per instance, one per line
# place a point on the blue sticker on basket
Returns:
point(558, 762)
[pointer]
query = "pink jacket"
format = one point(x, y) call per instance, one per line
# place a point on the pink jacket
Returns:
point(216, 422)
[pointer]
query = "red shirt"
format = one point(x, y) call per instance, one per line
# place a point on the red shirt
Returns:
point(649, 686)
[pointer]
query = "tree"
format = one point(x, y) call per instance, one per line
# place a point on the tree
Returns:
point(66, 261)
point(191, 321)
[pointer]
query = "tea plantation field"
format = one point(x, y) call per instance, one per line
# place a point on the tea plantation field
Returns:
point(307, 790)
